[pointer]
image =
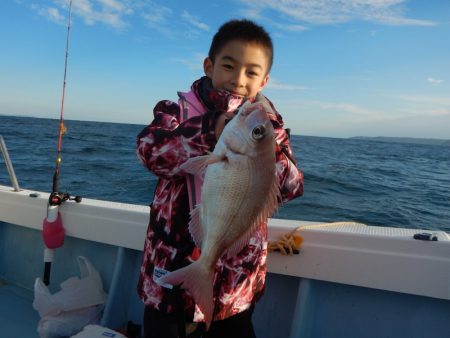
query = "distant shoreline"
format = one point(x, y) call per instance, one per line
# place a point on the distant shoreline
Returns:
point(388, 139)
point(413, 140)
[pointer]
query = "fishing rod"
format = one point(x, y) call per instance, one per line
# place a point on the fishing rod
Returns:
point(52, 229)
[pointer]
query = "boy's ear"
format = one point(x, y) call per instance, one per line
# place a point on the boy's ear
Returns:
point(264, 82)
point(208, 67)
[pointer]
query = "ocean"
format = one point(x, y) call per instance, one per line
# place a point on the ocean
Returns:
point(377, 183)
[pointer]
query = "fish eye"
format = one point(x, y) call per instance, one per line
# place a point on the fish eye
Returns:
point(258, 132)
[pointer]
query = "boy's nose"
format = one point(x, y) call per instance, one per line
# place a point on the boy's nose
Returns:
point(239, 78)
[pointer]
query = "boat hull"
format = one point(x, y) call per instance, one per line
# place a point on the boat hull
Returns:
point(348, 280)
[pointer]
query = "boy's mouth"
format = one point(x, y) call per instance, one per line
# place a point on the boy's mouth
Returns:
point(236, 93)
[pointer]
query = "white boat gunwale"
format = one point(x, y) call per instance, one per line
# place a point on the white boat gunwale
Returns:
point(375, 257)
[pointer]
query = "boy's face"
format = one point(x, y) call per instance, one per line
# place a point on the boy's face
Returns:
point(240, 68)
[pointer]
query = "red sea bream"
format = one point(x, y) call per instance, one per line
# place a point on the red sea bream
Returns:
point(240, 191)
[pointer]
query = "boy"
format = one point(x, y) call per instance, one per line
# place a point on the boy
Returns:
point(237, 69)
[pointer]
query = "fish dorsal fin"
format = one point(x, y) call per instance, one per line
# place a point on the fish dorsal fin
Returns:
point(195, 226)
point(198, 164)
point(270, 206)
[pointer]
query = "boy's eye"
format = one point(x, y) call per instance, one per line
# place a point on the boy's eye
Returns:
point(227, 66)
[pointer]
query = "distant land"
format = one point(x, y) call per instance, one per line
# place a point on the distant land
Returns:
point(413, 140)
point(430, 141)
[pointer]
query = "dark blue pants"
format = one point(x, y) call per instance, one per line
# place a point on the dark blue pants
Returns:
point(161, 325)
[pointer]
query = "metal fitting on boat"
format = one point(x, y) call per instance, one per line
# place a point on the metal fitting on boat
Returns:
point(425, 236)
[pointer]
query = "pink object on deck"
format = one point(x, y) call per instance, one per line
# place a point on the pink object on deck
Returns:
point(53, 233)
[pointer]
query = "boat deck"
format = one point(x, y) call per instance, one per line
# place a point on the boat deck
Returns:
point(293, 308)
point(17, 316)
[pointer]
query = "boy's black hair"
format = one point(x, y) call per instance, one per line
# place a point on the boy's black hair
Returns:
point(242, 30)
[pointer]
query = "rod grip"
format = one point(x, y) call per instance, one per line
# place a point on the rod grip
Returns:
point(47, 268)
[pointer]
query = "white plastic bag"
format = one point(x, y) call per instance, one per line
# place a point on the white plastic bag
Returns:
point(68, 323)
point(79, 303)
point(95, 331)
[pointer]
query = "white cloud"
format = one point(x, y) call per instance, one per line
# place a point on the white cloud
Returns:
point(344, 111)
point(195, 63)
point(322, 12)
point(434, 81)
point(426, 106)
point(51, 13)
point(114, 13)
point(439, 112)
point(345, 107)
point(194, 21)
point(276, 85)
point(108, 12)
point(405, 107)
point(291, 27)
point(294, 15)
point(409, 116)
point(353, 109)
point(157, 14)
point(251, 12)
point(113, 5)
point(428, 100)
point(158, 18)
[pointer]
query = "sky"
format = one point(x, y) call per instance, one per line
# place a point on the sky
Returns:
point(341, 68)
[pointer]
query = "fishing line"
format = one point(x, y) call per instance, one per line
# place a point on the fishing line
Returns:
point(52, 228)
point(56, 197)
point(62, 128)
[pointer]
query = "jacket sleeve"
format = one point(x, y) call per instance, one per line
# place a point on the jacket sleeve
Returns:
point(289, 175)
point(166, 143)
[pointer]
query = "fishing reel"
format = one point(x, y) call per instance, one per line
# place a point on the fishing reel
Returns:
point(57, 198)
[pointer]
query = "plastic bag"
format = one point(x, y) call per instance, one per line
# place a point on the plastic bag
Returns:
point(68, 323)
point(95, 331)
point(79, 303)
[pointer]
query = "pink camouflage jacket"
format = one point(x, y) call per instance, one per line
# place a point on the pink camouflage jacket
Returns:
point(162, 147)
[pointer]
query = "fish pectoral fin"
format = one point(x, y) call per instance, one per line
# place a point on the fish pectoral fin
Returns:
point(214, 158)
point(270, 205)
point(195, 227)
point(198, 164)
point(237, 246)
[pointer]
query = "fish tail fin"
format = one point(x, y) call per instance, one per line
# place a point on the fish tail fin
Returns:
point(199, 283)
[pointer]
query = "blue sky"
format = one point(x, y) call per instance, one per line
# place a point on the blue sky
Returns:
point(341, 69)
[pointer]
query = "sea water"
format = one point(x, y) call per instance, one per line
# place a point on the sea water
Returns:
point(376, 183)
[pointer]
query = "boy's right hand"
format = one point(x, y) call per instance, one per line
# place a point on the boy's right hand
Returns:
point(220, 122)
point(260, 101)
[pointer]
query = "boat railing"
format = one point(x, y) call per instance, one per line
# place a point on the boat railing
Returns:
point(9, 166)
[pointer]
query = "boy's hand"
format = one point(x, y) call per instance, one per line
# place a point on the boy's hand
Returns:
point(220, 122)
point(260, 101)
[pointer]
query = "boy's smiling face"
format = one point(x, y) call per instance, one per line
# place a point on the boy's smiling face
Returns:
point(240, 68)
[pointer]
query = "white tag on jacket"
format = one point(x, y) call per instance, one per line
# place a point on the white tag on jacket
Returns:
point(157, 274)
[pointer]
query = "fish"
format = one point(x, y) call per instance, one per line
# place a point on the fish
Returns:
point(240, 192)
